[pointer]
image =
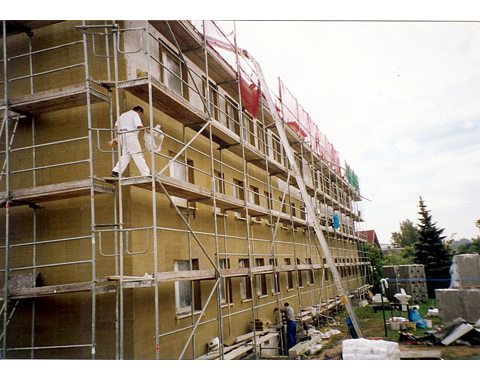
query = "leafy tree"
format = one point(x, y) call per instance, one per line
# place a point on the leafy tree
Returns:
point(473, 246)
point(376, 258)
point(407, 236)
point(432, 252)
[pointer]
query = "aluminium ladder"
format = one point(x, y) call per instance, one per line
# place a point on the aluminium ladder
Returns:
point(305, 196)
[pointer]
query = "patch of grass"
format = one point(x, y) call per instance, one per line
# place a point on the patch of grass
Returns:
point(373, 327)
point(372, 323)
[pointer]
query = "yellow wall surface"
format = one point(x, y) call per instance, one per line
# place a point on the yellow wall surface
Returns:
point(63, 232)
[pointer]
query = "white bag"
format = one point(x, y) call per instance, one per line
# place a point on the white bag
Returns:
point(154, 141)
point(363, 349)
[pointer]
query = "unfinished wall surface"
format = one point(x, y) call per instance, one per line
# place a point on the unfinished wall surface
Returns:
point(97, 236)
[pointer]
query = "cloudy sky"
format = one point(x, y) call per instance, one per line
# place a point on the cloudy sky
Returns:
point(399, 101)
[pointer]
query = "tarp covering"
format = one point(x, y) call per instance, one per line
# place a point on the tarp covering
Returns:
point(250, 94)
point(288, 107)
point(352, 177)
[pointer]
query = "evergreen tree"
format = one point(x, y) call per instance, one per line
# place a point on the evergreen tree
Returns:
point(432, 252)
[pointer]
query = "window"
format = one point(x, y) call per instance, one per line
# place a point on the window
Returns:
point(182, 171)
point(307, 173)
point(310, 273)
point(277, 150)
point(225, 283)
point(289, 275)
point(261, 279)
point(238, 192)
point(284, 205)
point(213, 95)
point(274, 147)
point(252, 132)
point(245, 283)
point(275, 278)
point(232, 115)
point(238, 189)
point(268, 201)
point(293, 209)
point(183, 289)
point(172, 74)
point(254, 199)
point(219, 187)
point(300, 276)
point(260, 136)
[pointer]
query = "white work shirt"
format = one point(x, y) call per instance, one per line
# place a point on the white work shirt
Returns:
point(288, 310)
point(129, 121)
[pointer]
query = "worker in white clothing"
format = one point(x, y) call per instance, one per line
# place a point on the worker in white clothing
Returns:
point(126, 134)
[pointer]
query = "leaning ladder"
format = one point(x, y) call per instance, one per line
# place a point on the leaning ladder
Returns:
point(306, 198)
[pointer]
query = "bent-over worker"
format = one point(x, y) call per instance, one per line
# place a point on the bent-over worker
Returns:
point(291, 324)
point(127, 127)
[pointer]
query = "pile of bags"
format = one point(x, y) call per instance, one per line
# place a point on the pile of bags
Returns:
point(364, 349)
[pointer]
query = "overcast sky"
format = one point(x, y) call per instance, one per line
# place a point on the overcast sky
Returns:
point(399, 101)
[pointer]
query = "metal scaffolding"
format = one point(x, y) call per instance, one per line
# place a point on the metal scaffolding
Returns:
point(192, 91)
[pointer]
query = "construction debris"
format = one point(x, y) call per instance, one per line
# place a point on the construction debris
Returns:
point(262, 324)
point(451, 333)
point(243, 345)
point(312, 345)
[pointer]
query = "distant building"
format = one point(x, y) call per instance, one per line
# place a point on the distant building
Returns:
point(389, 250)
point(371, 237)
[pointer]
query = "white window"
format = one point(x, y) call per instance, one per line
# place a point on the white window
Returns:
point(225, 283)
point(183, 289)
point(239, 193)
point(245, 284)
point(184, 172)
point(173, 74)
point(261, 279)
point(275, 278)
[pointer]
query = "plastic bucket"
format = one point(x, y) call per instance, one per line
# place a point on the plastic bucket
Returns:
point(428, 323)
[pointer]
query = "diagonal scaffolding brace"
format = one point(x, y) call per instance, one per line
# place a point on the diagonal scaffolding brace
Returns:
point(305, 196)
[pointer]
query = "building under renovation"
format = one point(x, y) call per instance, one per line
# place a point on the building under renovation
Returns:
point(158, 266)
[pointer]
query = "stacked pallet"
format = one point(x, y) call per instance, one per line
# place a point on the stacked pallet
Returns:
point(463, 298)
point(409, 277)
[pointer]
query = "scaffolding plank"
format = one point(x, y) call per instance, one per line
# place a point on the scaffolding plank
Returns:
point(165, 100)
point(48, 193)
point(44, 291)
point(192, 192)
point(54, 100)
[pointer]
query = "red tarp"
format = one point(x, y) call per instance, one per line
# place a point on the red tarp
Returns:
point(250, 96)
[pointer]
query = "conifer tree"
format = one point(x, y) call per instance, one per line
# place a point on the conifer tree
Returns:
point(432, 252)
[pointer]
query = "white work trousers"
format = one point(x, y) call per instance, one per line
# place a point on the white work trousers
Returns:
point(130, 147)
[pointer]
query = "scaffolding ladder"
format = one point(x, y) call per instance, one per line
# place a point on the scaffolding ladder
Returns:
point(305, 197)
